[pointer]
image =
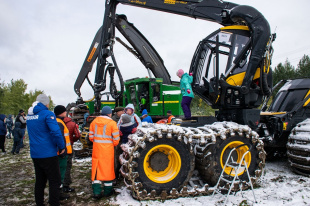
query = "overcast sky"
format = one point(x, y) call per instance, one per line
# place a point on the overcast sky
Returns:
point(45, 42)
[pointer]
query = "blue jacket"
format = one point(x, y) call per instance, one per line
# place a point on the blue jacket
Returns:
point(185, 84)
point(148, 118)
point(45, 137)
point(2, 125)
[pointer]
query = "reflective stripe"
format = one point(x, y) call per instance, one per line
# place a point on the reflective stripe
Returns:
point(103, 136)
point(116, 138)
point(66, 134)
point(115, 133)
point(96, 127)
point(103, 132)
point(96, 182)
point(108, 184)
point(91, 132)
point(91, 135)
point(68, 144)
point(103, 141)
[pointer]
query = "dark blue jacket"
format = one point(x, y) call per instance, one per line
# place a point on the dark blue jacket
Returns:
point(126, 131)
point(2, 125)
point(148, 118)
point(45, 137)
point(17, 133)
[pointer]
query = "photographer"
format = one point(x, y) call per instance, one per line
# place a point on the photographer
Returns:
point(21, 117)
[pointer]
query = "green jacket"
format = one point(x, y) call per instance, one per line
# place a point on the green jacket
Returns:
point(185, 84)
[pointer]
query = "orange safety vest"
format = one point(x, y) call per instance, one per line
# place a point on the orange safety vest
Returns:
point(67, 137)
point(104, 134)
point(170, 118)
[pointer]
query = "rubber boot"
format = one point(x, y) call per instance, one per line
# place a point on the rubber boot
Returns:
point(108, 188)
point(96, 189)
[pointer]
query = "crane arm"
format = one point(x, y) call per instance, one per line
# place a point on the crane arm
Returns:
point(224, 13)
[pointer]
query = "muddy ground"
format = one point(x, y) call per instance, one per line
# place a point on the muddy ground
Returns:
point(17, 179)
point(278, 186)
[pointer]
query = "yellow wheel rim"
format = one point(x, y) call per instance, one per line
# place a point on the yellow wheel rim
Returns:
point(162, 164)
point(237, 155)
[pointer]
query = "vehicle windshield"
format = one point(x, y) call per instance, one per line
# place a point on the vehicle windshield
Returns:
point(230, 46)
point(286, 100)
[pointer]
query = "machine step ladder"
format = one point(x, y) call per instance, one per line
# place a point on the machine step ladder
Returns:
point(235, 168)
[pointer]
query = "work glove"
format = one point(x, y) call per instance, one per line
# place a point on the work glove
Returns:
point(190, 74)
point(134, 130)
point(188, 91)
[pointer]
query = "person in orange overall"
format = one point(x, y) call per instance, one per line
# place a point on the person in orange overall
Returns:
point(104, 134)
point(170, 116)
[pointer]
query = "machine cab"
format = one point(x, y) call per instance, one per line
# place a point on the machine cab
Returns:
point(219, 65)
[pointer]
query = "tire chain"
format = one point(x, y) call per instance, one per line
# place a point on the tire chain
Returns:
point(196, 137)
point(298, 148)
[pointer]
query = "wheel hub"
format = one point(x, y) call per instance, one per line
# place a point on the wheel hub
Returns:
point(159, 161)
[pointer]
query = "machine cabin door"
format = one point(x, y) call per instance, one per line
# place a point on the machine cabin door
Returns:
point(223, 55)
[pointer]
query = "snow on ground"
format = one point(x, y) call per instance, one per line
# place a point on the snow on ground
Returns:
point(278, 186)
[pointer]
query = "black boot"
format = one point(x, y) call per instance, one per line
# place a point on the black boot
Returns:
point(68, 189)
point(63, 196)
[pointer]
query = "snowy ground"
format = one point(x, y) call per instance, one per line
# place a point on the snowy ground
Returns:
point(278, 186)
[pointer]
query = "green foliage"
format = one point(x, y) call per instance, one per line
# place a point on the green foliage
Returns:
point(287, 71)
point(13, 97)
point(200, 108)
point(283, 72)
point(303, 69)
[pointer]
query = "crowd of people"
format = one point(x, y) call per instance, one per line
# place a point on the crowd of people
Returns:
point(52, 135)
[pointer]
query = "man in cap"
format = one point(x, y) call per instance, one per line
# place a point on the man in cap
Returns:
point(21, 117)
point(104, 134)
point(118, 111)
point(45, 140)
point(61, 112)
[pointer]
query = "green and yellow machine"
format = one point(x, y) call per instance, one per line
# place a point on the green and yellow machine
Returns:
point(231, 72)
point(150, 94)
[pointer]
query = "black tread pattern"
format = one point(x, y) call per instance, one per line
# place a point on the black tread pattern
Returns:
point(298, 148)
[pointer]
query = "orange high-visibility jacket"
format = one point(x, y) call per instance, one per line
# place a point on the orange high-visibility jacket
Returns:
point(170, 118)
point(104, 134)
point(66, 137)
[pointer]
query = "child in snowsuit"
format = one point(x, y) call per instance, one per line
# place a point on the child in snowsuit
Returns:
point(127, 127)
point(18, 135)
point(130, 110)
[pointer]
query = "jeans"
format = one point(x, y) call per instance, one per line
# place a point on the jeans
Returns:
point(47, 169)
point(22, 140)
point(16, 146)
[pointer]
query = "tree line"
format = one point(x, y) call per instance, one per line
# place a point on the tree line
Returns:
point(13, 97)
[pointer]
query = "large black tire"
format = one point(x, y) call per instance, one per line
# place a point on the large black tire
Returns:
point(152, 158)
point(212, 160)
point(298, 148)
